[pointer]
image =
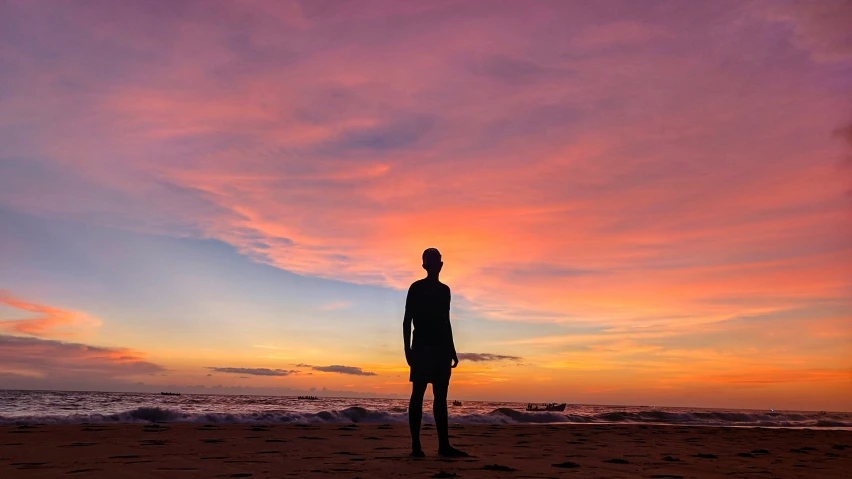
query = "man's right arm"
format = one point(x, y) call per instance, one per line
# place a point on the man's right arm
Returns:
point(406, 329)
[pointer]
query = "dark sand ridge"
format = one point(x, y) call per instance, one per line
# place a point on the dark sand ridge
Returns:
point(378, 451)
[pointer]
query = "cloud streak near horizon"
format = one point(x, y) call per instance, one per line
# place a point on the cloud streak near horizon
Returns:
point(483, 357)
point(639, 172)
point(339, 369)
point(255, 371)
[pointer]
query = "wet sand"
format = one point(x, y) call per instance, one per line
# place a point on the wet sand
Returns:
point(379, 451)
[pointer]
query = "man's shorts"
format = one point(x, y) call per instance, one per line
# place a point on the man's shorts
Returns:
point(430, 365)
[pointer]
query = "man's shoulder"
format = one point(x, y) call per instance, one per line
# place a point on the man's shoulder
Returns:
point(425, 283)
point(416, 286)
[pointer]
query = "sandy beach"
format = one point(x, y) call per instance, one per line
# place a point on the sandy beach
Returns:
point(375, 451)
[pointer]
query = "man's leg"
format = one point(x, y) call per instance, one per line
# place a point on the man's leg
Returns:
point(415, 414)
point(439, 408)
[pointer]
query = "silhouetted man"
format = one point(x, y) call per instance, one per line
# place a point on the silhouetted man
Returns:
point(433, 354)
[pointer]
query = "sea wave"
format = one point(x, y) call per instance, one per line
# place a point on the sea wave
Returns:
point(497, 416)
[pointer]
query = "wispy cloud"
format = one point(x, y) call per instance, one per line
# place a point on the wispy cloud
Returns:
point(482, 357)
point(47, 320)
point(352, 370)
point(821, 26)
point(334, 306)
point(255, 371)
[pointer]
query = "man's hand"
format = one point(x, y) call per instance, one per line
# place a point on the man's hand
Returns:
point(455, 360)
point(408, 356)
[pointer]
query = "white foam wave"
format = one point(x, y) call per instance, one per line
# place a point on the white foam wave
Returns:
point(498, 416)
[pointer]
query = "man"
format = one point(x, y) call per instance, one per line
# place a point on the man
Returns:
point(432, 355)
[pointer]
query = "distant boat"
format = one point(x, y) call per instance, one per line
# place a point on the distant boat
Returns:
point(308, 398)
point(457, 403)
point(170, 394)
point(546, 407)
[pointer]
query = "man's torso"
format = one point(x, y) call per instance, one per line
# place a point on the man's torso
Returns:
point(428, 304)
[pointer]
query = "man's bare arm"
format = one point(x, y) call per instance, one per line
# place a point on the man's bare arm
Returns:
point(453, 345)
point(406, 332)
point(450, 331)
point(406, 336)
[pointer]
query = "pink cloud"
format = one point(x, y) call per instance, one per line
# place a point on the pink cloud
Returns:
point(821, 26)
point(345, 143)
point(43, 358)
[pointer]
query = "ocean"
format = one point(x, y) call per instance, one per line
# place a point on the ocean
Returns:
point(56, 407)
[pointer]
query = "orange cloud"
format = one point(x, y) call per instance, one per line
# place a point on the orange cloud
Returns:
point(49, 321)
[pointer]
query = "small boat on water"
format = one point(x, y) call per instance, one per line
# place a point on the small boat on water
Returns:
point(457, 403)
point(546, 407)
point(308, 398)
point(169, 394)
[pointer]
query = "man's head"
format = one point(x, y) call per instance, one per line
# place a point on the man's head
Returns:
point(432, 261)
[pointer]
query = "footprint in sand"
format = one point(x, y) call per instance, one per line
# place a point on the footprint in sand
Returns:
point(617, 461)
point(444, 474)
point(498, 467)
point(567, 465)
point(33, 465)
point(152, 442)
point(208, 427)
point(155, 428)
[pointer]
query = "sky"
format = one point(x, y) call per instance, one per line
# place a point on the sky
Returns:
point(637, 202)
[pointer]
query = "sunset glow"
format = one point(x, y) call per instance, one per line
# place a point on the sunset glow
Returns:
point(636, 202)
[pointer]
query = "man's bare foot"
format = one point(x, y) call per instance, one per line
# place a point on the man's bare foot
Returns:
point(417, 453)
point(450, 451)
